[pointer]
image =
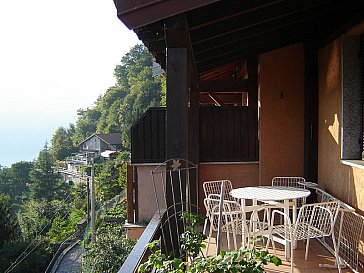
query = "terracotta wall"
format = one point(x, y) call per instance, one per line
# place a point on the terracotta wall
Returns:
point(281, 92)
point(240, 175)
point(343, 181)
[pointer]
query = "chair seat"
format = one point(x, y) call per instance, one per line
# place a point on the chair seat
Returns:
point(303, 231)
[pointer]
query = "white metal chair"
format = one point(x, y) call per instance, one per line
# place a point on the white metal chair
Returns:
point(291, 181)
point(313, 221)
point(231, 221)
point(348, 232)
point(212, 189)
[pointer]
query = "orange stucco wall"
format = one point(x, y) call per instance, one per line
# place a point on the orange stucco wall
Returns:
point(344, 182)
point(240, 175)
point(281, 93)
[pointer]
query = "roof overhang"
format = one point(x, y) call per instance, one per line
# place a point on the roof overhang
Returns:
point(138, 13)
point(224, 34)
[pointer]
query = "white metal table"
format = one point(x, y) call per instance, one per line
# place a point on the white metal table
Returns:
point(269, 194)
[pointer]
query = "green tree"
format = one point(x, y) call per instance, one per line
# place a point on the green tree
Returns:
point(145, 90)
point(62, 144)
point(14, 180)
point(9, 226)
point(86, 124)
point(20, 178)
point(65, 225)
point(107, 180)
point(37, 259)
point(45, 183)
point(136, 90)
point(110, 250)
point(5, 180)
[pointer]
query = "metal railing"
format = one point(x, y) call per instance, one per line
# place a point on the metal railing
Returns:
point(140, 254)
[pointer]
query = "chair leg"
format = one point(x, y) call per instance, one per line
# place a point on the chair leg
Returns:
point(336, 253)
point(292, 260)
point(307, 246)
point(208, 241)
point(270, 239)
point(204, 227)
point(235, 243)
point(228, 239)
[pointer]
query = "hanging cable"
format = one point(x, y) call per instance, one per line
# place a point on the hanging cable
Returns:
point(17, 261)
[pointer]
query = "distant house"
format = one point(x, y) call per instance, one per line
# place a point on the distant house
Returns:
point(99, 143)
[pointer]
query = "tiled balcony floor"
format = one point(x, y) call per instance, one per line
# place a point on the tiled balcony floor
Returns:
point(317, 255)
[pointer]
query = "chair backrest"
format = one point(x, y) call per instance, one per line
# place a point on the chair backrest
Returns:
point(318, 216)
point(214, 187)
point(288, 181)
point(229, 214)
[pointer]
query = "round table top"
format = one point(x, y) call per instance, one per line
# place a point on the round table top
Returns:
point(269, 193)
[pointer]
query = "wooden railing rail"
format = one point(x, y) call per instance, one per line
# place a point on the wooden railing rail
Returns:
point(139, 254)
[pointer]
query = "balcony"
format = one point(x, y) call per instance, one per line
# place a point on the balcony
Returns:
point(320, 259)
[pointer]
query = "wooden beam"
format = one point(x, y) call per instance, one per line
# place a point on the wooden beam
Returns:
point(255, 43)
point(286, 10)
point(214, 99)
point(177, 126)
point(223, 86)
point(275, 28)
point(245, 52)
point(222, 11)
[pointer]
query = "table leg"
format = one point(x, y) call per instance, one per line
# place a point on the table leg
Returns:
point(287, 244)
point(243, 236)
point(294, 219)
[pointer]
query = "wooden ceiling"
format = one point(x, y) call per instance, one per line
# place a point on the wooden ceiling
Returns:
point(224, 33)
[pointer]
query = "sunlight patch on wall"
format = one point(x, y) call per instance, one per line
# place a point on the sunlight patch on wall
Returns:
point(334, 129)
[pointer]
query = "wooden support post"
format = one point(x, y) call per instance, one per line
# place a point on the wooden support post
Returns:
point(177, 111)
point(177, 125)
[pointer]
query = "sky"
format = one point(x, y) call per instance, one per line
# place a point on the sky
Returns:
point(55, 58)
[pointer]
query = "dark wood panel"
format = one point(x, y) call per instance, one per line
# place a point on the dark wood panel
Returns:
point(148, 137)
point(228, 134)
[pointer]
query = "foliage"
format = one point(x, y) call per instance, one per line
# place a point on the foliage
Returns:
point(79, 196)
point(64, 226)
point(110, 250)
point(107, 180)
point(246, 260)
point(45, 183)
point(14, 180)
point(34, 261)
point(136, 90)
point(35, 217)
point(62, 144)
point(86, 124)
point(9, 225)
point(117, 212)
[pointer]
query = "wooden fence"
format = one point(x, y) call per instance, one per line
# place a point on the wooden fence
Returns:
point(227, 134)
